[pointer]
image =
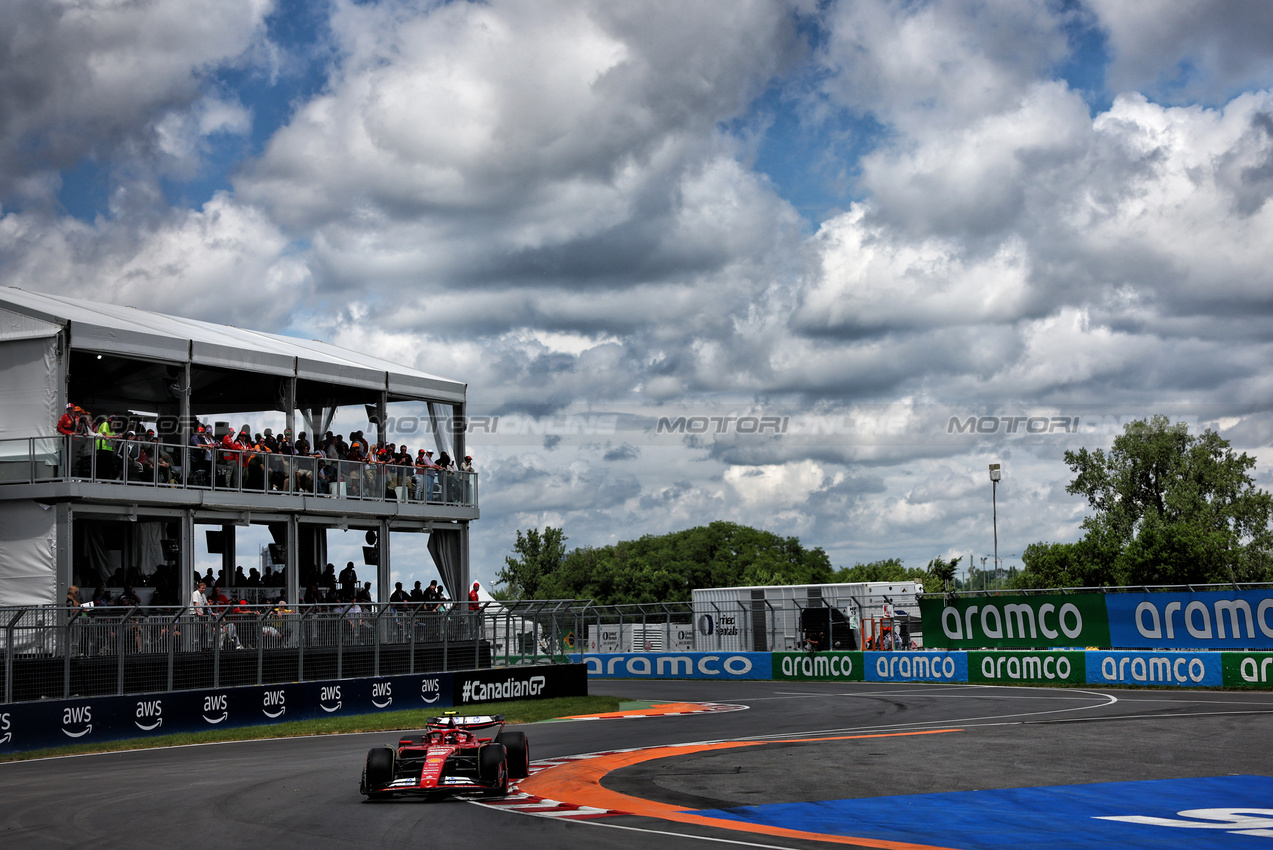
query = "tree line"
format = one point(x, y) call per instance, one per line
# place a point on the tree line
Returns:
point(668, 567)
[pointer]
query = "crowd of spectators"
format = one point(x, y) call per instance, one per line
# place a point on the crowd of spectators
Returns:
point(265, 461)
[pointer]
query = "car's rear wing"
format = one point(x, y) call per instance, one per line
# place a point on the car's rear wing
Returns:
point(466, 721)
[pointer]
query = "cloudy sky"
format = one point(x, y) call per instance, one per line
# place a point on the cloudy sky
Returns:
point(862, 248)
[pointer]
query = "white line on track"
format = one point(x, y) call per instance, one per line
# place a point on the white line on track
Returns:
point(1109, 699)
point(683, 835)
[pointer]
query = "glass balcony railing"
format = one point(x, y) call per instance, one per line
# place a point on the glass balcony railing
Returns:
point(140, 463)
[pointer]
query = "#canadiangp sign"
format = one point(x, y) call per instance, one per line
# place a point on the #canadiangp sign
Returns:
point(1019, 621)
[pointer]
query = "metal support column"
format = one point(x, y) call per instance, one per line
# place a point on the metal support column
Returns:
point(382, 570)
point(292, 558)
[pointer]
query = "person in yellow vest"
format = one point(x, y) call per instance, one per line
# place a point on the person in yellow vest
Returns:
point(107, 460)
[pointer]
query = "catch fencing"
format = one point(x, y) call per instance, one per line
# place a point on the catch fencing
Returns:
point(58, 652)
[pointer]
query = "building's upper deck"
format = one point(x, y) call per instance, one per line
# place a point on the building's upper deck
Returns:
point(83, 469)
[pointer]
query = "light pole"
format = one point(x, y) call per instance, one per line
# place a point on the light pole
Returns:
point(995, 475)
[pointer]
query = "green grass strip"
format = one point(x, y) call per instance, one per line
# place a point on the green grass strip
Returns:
point(520, 711)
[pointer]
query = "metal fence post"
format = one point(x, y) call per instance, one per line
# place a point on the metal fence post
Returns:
point(446, 635)
point(411, 637)
point(66, 660)
point(300, 646)
point(8, 657)
point(380, 612)
point(260, 646)
point(340, 643)
point(216, 650)
point(172, 644)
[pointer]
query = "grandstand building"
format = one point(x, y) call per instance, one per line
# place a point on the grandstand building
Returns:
point(80, 508)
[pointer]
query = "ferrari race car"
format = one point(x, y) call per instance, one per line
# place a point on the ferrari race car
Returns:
point(456, 755)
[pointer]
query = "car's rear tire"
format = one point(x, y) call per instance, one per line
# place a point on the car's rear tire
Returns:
point(518, 753)
point(380, 768)
point(492, 766)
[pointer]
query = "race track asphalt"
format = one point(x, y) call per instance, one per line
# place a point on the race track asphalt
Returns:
point(849, 744)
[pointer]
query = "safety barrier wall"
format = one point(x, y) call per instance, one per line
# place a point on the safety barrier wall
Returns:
point(1203, 620)
point(1003, 667)
point(52, 723)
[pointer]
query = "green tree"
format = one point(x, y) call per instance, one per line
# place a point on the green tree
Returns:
point(540, 555)
point(941, 575)
point(665, 568)
point(1168, 508)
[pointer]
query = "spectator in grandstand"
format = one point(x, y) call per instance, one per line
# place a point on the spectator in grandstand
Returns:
point(101, 597)
point(233, 457)
point(130, 599)
point(166, 468)
point(105, 445)
point(302, 444)
point(72, 423)
point(417, 595)
point(73, 595)
point(254, 476)
point(474, 599)
point(364, 593)
point(68, 423)
point(218, 604)
point(313, 596)
point(399, 598)
point(426, 476)
point(348, 581)
point(130, 457)
point(254, 578)
point(433, 595)
point(201, 458)
point(240, 578)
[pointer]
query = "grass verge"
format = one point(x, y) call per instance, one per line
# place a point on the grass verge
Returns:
point(521, 711)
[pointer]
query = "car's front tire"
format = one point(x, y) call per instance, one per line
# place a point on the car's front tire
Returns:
point(492, 767)
point(518, 753)
point(381, 762)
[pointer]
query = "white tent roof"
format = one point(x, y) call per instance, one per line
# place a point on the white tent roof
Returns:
point(127, 331)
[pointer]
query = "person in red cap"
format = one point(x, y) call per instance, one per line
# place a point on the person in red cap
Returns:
point(201, 460)
point(473, 599)
point(68, 424)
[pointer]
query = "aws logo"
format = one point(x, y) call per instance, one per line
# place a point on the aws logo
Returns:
point(5, 722)
point(327, 695)
point(77, 716)
point(213, 704)
point(273, 704)
point(430, 691)
point(149, 715)
point(382, 694)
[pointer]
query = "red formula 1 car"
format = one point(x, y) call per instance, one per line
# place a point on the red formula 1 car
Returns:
point(455, 755)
